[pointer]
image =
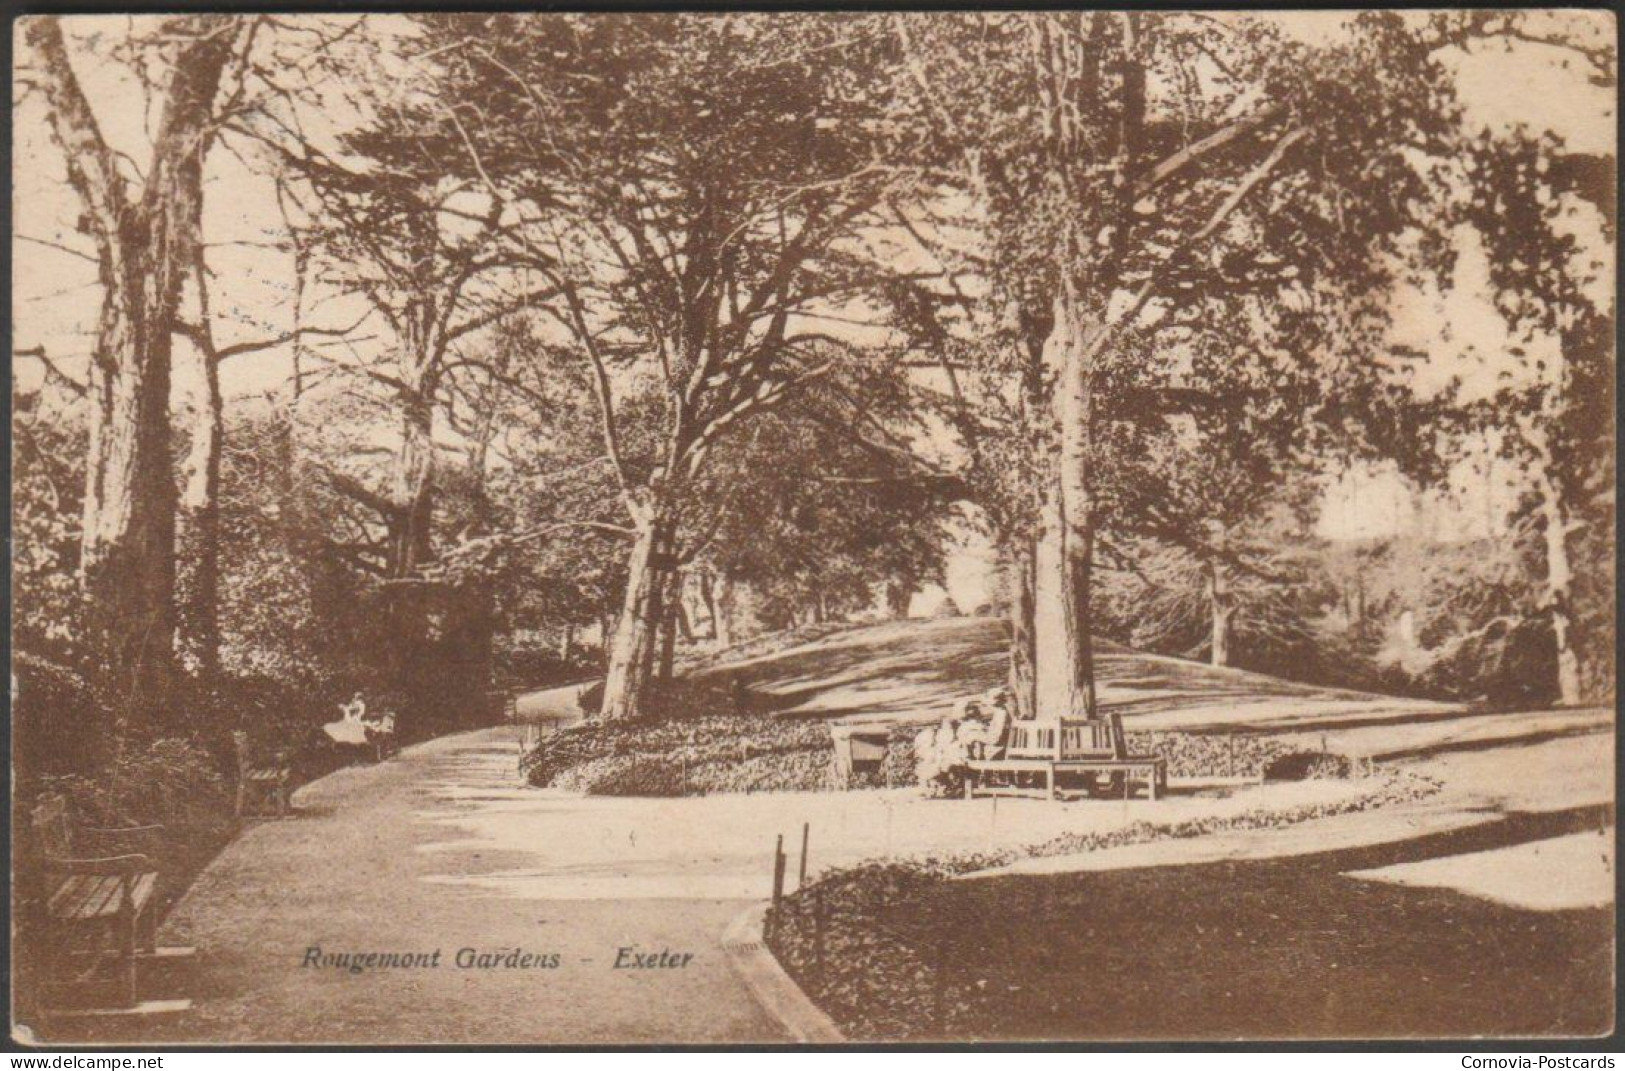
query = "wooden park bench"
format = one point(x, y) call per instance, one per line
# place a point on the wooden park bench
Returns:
point(95, 903)
point(860, 749)
point(1035, 756)
point(263, 774)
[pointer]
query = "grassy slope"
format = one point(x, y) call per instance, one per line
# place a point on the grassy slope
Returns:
point(917, 670)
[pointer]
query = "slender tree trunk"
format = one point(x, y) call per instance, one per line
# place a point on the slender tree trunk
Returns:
point(898, 596)
point(724, 612)
point(685, 626)
point(631, 646)
point(198, 533)
point(670, 611)
point(1218, 594)
point(1559, 583)
point(198, 521)
point(1023, 584)
point(708, 599)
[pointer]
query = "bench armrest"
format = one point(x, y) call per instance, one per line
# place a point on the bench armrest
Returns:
point(143, 839)
point(115, 865)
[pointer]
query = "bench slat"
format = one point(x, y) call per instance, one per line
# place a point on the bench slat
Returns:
point(82, 894)
point(69, 891)
point(142, 889)
point(92, 896)
point(104, 901)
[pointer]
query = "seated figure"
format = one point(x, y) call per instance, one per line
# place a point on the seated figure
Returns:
point(351, 728)
point(986, 720)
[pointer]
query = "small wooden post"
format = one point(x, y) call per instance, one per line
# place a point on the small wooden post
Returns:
point(818, 932)
point(939, 982)
point(801, 875)
point(772, 922)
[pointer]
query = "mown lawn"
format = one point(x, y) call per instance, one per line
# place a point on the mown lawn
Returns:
point(1281, 948)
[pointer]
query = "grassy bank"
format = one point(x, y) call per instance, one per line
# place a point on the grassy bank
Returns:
point(899, 951)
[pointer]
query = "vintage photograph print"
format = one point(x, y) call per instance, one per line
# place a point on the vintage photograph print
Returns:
point(813, 527)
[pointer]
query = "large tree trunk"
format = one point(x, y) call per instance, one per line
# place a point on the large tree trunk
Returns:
point(1023, 584)
point(631, 647)
point(463, 661)
point(408, 658)
point(1071, 504)
point(145, 247)
point(127, 550)
point(412, 487)
point(1218, 594)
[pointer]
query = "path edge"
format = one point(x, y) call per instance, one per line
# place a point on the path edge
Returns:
point(769, 983)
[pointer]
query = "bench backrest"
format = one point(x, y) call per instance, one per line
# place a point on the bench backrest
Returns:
point(1067, 738)
point(248, 757)
point(53, 827)
point(1031, 740)
point(859, 748)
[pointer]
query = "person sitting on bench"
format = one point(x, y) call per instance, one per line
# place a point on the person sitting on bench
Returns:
point(351, 728)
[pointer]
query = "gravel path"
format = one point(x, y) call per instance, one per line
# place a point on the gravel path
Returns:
point(354, 871)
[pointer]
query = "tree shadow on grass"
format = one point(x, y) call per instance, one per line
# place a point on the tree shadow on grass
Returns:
point(1453, 747)
point(1279, 948)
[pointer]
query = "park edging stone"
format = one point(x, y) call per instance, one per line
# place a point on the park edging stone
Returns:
point(771, 985)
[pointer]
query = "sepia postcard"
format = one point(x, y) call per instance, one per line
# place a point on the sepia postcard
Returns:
point(813, 528)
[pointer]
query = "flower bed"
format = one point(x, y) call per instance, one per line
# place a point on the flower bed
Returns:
point(1211, 754)
point(683, 756)
point(701, 755)
point(855, 943)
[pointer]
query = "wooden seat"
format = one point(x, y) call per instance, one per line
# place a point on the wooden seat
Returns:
point(267, 776)
point(859, 748)
point(96, 894)
point(1043, 751)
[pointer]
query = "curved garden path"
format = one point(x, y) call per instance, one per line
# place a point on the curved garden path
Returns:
point(363, 866)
